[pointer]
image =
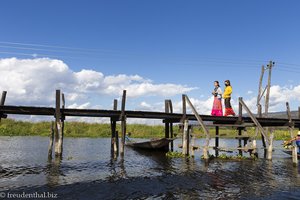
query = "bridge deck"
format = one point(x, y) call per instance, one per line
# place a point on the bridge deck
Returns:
point(115, 114)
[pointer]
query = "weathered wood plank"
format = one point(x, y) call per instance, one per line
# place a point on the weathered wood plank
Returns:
point(123, 122)
point(113, 123)
point(50, 147)
point(185, 138)
point(3, 97)
point(58, 126)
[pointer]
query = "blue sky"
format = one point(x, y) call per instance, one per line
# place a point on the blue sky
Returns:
point(188, 43)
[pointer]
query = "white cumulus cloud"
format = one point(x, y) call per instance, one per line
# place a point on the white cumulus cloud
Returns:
point(34, 81)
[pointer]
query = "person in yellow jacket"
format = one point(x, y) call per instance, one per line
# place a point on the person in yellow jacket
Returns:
point(227, 98)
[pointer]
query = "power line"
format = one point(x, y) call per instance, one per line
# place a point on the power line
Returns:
point(53, 46)
point(91, 53)
point(287, 70)
point(289, 64)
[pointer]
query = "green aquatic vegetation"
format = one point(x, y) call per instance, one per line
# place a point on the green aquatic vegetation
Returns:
point(231, 157)
point(175, 154)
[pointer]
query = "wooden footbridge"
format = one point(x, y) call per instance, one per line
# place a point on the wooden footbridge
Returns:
point(240, 122)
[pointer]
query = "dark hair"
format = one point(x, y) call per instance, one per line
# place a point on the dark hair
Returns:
point(217, 83)
point(228, 81)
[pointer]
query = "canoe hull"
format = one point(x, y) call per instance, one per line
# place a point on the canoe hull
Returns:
point(158, 144)
point(290, 153)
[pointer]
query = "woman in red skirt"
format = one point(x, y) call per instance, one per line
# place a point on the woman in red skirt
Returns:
point(217, 106)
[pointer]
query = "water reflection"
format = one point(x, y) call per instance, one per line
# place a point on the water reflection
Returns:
point(117, 170)
point(53, 171)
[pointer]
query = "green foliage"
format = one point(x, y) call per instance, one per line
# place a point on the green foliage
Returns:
point(279, 134)
point(175, 154)
point(9, 127)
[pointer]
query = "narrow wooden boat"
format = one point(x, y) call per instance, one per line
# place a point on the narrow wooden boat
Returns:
point(152, 144)
point(290, 152)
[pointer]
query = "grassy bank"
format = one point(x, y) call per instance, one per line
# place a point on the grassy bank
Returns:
point(9, 127)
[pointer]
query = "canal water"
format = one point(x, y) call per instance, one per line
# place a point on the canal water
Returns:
point(87, 171)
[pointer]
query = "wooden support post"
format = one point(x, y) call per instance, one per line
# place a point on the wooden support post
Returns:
point(50, 147)
point(183, 107)
point(3, 97)
point(116, 144)
point(186, 136)
point(58, 126)
point(167, 125)
point(217, 141)
point(114, 137)
point(290, 119)
point(63, 117)
point(295, 155)
point(123, 122)
point(240, 141)
point(291, 128)
point(298, 112)
point(205, 129)
point(240, 112)
point(192, 146)
point(270, 146)
point(171, 125)
point(2, 102)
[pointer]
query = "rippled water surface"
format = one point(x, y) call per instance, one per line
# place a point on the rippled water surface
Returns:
point(87, 171)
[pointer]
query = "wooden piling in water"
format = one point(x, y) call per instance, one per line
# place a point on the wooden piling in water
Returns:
point(295, 155)
point(63, 117)
point(192, 146)
point(123, 122)
point(240, 141)
point(171, 124)
point(240, 122)
point(50, 147)
point(186, 137)
point(217, 141)
point(291, 130)
point(58, 126)
point(167, 124)
point(114, 135)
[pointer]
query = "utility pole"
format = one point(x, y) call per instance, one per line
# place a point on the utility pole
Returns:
point(261, 94)
point(259, 110)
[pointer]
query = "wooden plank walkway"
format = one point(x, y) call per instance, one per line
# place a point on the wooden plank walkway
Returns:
point(115, 114)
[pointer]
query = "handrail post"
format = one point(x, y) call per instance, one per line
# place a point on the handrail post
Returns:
point(205, 129)
point(123, 122)
point(3, 97)
point(269, 141)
